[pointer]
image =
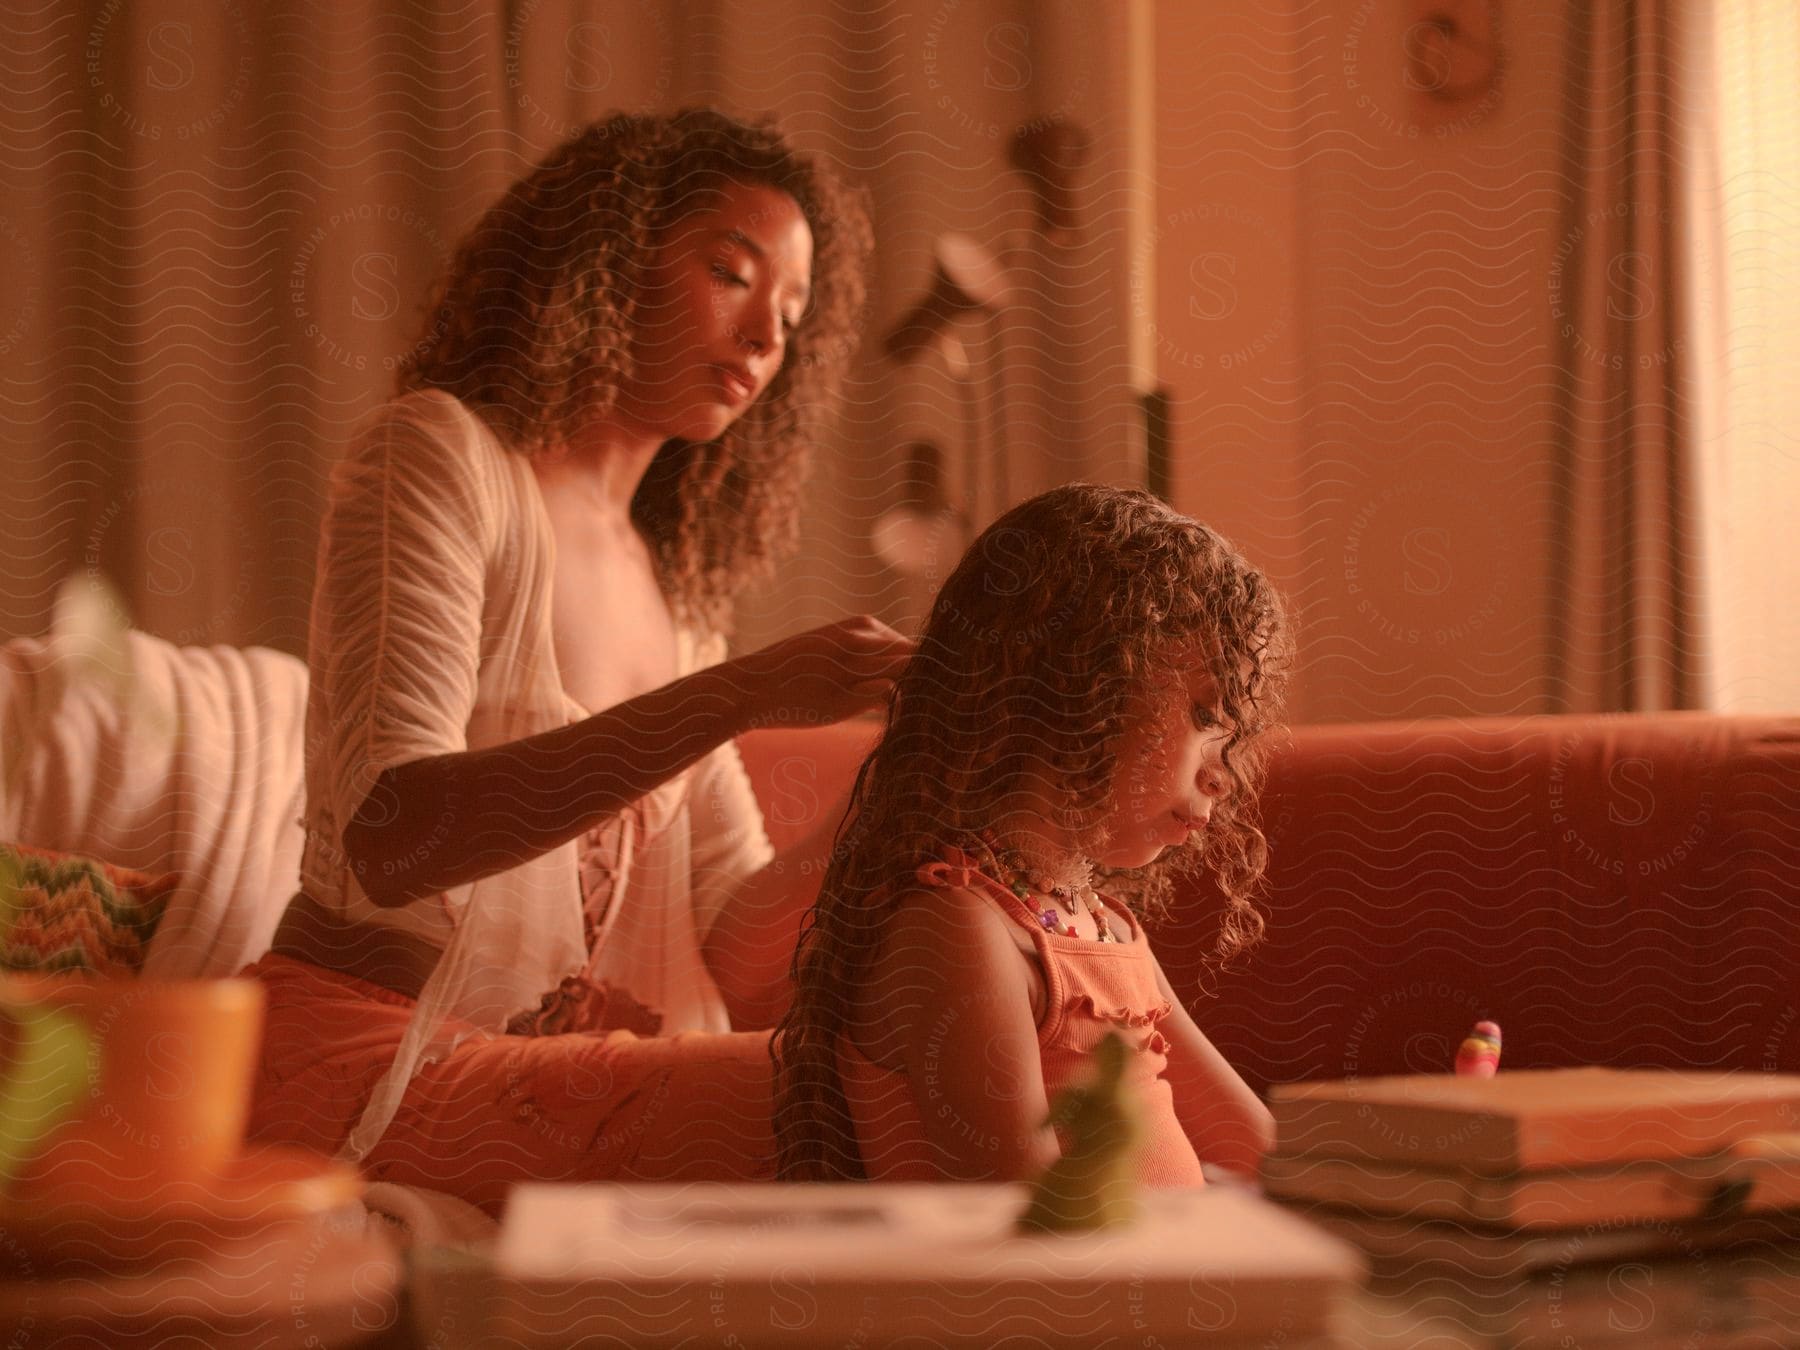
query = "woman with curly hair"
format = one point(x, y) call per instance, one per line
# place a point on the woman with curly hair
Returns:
point(1081, 722)
point(536, 896)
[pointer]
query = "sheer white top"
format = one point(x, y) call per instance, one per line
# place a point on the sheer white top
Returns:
point(431, 634)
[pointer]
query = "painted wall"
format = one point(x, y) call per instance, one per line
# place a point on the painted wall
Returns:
point(1353, 319)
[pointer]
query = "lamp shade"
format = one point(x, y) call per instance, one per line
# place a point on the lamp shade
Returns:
point(965, 278)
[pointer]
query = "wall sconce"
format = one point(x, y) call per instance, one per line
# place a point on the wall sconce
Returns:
point(967, 281)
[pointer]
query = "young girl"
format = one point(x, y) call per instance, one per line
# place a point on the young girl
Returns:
point(538, 913)
point(1079, 725)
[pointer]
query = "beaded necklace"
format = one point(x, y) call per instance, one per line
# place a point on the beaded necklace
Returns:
point(1012, 869)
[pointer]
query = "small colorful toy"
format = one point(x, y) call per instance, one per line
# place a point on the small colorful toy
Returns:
point(1479, 1054)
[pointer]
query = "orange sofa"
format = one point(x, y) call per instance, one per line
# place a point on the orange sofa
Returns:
point(1613, 890)
point(1620, 890)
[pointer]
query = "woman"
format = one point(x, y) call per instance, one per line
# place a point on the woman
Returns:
point(524, 812)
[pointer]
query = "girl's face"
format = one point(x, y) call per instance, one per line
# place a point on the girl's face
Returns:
point(1170, 771)
point(723, 291)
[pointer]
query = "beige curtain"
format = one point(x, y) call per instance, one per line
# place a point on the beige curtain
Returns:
point(1745, 201)
point(220, 221)
point(1621, 598)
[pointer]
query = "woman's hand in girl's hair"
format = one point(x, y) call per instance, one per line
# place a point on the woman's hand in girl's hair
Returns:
point(823, 675)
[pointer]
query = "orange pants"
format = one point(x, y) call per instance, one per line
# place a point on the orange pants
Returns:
point(611, 1106)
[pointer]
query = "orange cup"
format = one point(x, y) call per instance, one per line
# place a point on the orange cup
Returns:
point(155, 1084)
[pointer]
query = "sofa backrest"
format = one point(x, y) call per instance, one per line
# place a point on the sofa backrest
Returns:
point(1615, 890)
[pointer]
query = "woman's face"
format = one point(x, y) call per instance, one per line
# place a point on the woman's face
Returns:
point(724, 290)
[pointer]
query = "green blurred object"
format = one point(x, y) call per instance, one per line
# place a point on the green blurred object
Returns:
point(46, 1079)
point(1094, 1184)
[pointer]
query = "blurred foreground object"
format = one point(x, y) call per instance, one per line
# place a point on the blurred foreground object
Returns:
point(1093, 1185)
point(881, 1265)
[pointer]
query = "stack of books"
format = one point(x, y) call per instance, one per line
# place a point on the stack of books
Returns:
point(1559, 1207)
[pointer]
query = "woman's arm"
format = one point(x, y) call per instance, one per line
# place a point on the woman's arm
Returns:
point(1224, 1120)
point(439, 822)
point(445, 820)
point(950, 1002)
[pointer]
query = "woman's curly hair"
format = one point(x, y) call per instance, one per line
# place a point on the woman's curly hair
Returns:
point(1063, 618)
point(532, 327)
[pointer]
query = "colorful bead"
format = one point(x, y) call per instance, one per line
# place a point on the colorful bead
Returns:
point(1048, 919)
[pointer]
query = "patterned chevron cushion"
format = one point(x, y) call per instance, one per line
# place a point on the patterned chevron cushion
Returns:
point(62, 912)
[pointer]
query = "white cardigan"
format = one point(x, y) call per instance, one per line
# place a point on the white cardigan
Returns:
point(431, 634)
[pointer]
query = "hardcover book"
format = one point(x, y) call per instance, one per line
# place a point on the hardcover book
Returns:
point(1529, 1120)
point(1752, 1176)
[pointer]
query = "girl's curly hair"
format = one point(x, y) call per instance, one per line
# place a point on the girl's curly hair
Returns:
point(1064, 616)
point(532, 328)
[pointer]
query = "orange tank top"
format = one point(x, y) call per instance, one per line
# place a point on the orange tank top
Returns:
point(1091, 988)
